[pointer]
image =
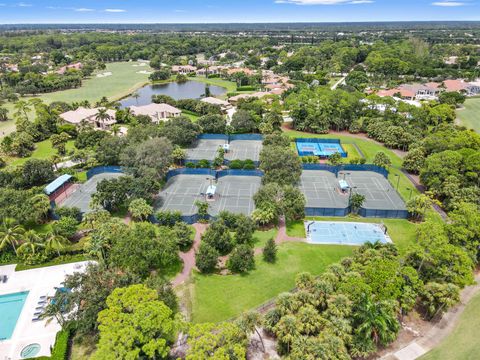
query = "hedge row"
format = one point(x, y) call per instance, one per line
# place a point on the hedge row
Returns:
point(60, 349)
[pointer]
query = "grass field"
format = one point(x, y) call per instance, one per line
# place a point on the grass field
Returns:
point(470, 115)
point(43, 150)
point(462, 343)
point(401, 231)
point(218, 297)
point(369, 149)
point(229, 85)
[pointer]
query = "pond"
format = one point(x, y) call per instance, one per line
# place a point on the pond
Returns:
point(178, 91)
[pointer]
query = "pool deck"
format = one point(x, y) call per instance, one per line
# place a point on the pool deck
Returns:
point(39, 282)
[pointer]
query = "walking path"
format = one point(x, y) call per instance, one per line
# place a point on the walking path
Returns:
point(188, 258)
point(438, 331)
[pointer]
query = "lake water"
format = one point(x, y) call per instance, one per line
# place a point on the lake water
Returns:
point(178, 91)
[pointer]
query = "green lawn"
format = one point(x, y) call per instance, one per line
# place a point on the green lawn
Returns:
point(229, 85)
point(43, 150)
point(401, 231)
point(470, 116)
point(369, 149)
point(218, 297)
point(462, 343)
point(261, 237)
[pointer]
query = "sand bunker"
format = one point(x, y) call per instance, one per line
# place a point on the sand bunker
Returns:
point(105, 74)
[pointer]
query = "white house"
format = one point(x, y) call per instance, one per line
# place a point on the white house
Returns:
point(89, 116)
point(224, 105)
point(157, 112)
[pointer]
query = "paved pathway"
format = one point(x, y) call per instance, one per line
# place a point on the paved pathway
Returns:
point(188, 258)
point(438, 331)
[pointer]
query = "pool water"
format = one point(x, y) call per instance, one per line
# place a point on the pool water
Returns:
point(345, 233)
point(11, 306)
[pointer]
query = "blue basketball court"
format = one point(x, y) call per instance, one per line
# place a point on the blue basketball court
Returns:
point(345, 233)
point(317, 147)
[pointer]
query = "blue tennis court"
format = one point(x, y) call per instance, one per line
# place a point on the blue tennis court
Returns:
point(345, 233)
point(319, 147)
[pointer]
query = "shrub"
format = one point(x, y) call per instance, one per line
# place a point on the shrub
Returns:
point(190, 165)
point(236, 164)
point(66, 226)
point(248, 165)
point(60, 349)
point(72, 212)
point(270, 251)
point(184, 236)
point(205, 164)
point(241, 260)
point(168, 218)
point(206, 258)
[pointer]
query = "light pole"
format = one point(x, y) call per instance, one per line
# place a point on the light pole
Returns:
point(411, 192)
point(398, 180)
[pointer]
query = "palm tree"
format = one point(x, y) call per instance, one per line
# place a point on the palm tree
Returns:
point(32, 241)
point(249, 322)
point(115, 129)
point(101, 117)
point(136, 96)
point(11, 234)
point(55, 159)
point(376, 321)
point(40, 207)
point(55, 242)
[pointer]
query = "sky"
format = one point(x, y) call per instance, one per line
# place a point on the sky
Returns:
point(239, 11)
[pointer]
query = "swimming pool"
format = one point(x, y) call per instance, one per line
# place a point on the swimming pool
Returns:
point(345, 233)
point(11, 306)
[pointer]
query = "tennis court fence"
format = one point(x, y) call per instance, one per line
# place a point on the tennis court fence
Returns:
point(347, 167)
point(103, 169)
point(213, 173)
point(232, 137)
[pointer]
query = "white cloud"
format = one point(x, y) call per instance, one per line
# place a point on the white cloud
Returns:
point(22, 4)
point(323, 2)
point(115, 10)
point(84, 10)
point(448, 3)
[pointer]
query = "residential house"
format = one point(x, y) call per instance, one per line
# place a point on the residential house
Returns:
point(183, 69)
point(224, 105)
point(64, 69)
point(87, 116)
point(157, 112)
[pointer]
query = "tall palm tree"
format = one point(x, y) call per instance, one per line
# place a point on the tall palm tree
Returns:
point(376, 321)
point(32, 241)
point(55, 159)
point(136, 96)
point(249, 322)
point(40, 207)
point(55, 242)
point(102, 116)
point(11, 233)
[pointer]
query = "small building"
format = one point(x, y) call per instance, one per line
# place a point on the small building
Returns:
point(224, 105)
point(58, 186)
point(89, 117)
point(77, 66)
point(157, 112)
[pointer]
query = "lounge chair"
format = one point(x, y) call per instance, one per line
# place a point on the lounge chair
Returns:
point(40, 308)
point(38, 313)
point(43, 297)
point(35, 319)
